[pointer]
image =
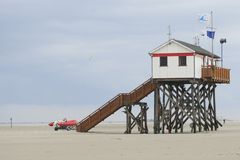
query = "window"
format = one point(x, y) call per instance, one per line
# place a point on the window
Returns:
point(163, 61)
point(182, 60)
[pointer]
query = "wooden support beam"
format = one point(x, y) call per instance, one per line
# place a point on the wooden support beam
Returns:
point(128, 110)
point(214, 109)
point(140, 120)
point(156, 126)
point(181, 102)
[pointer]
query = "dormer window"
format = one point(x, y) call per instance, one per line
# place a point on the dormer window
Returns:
point(182, 61)
point(163, 61)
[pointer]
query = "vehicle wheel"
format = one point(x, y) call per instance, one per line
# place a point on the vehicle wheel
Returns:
point(68, 128)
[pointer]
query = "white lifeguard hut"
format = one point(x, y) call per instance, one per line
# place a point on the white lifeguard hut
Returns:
point(176, 59)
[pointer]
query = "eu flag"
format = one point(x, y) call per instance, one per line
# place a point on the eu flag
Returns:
point(211, 34)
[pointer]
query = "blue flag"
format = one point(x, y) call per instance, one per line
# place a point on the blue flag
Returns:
point(211, 34)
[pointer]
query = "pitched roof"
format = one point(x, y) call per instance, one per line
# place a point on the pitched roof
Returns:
point(197, 49)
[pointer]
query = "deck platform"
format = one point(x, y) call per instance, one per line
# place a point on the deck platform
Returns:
point(216, 74)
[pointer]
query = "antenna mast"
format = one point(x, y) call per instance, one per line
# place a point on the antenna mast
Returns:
point(196, 40)
point(169, 32)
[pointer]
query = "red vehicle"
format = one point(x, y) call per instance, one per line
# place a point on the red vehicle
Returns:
point(64, 124)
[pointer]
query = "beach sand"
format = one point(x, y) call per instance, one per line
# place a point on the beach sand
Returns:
point(107, 142)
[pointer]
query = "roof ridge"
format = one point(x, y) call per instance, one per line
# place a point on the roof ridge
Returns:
point(197, 49)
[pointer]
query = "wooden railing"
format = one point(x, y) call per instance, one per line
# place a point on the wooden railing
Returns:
point(216, 74)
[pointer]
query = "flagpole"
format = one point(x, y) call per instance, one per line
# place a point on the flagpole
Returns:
point(212, 31)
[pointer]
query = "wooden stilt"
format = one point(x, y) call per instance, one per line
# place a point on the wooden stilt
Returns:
point(182, 102)
point(156, 111)
point(140, 120)
point(128, 110)
point(214, 109)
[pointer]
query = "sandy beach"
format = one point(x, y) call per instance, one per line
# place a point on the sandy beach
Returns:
point(108, 142)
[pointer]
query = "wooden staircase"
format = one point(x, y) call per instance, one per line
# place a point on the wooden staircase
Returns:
point(122, 99)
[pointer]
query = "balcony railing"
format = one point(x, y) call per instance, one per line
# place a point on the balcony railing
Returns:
point(216, 74)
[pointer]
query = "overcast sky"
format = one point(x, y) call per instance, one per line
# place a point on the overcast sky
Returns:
point(63, 58)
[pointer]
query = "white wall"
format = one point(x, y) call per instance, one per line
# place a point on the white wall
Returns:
point(173, 70)
point(172, 48)
point(198, 66)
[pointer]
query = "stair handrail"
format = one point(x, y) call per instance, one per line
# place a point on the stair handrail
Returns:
point(141, 85)
point(97, 110)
